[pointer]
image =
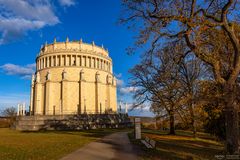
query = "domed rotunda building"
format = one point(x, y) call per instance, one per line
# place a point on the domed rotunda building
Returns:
point(73, 78)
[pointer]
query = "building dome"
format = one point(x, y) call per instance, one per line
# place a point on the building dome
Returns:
point(73, 78)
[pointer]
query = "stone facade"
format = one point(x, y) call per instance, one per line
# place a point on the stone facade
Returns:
point(72, 122)
point(73, 78)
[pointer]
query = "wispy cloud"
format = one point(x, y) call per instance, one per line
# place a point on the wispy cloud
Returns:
point(67, 3)
point(120, 82)
point(24, 72)
point(119, 75)
point(17, 17)
point(127, 90)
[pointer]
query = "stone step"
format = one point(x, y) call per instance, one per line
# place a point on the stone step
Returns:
point(29, 127)
point(41, 117)
point(30, 122)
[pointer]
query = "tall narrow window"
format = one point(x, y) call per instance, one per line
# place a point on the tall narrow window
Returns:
point(85, 61)
point(50, 61)
point(94, 63)
point(89, 59)
point(46, 62)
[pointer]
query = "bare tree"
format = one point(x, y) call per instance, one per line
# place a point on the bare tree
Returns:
point(209, 29)
point(9, 112)
point(156, 78)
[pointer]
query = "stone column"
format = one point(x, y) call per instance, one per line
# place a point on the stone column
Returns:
point(64, 93)
point(97, 92)
point(32, 96)
point(126, 108)
point(38, 107)
point(18, 110)
point(48, 99)
point(81, 92)
point(77, 60)
point(47, 62)
point(113, 94)
point(52, 61)
point(23, 109)
point(108, 92)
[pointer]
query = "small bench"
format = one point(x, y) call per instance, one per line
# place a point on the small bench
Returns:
point(149, 143)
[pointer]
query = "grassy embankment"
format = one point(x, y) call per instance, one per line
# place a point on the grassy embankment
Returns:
point(49, 145)
point(181, 146)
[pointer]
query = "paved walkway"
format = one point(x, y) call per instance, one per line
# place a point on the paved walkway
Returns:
point(112, 147)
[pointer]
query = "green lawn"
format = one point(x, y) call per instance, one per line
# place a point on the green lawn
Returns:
point(181, 146)
point(47, 145)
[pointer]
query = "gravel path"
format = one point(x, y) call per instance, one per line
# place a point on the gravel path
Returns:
point(112, 147)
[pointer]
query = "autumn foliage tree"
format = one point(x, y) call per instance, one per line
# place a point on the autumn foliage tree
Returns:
point(209, 29)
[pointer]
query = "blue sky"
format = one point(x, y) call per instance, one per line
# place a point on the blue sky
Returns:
point(25, 25)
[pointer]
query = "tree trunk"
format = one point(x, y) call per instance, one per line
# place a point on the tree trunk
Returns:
point(172, 119)
point(194, 128)
point(231, 117)
point(193, 123)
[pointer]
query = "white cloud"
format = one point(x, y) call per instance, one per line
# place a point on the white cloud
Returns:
point(17, 17)
point(67, 3)
point(120, 82)
point(13, 28)
point(36, 10)
point(24, 72)
point(126, 90)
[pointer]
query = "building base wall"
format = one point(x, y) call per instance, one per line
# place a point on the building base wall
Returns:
point(72, 122)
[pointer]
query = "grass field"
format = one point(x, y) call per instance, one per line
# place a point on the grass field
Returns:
point(50, 145)
point(181, 146)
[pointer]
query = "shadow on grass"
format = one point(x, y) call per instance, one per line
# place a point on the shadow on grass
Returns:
point(206, 136)
point(180, 146)
point(94, 133)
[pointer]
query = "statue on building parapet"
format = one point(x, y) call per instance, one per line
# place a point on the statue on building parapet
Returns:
point(113, 81)
point(97, 77)
point(82, 75)
point(48, 76)
point(64, 75)
point(109, 79)
point(33, 78)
